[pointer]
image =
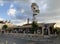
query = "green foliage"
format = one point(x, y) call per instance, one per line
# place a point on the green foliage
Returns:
point(58, 29)
point(5, 27)
point(34, 27)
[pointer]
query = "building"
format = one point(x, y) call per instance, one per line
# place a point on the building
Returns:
point(43, 29)
point(2, 23)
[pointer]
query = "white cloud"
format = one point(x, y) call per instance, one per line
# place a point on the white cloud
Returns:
point(42, 2)
point(48, 9)
point(22, 11)
point(44, 6)
point(19, 22)
point(1, 19)
point(11, 6)
point(1, 3)
point(31, 1)
point(57, 23)
point(11, 11)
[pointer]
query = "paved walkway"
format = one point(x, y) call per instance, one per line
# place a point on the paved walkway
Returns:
point(10, 39)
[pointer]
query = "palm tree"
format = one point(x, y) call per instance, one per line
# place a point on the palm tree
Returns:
point(34, 27)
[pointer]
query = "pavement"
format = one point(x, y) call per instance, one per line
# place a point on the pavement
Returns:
point(10, 39)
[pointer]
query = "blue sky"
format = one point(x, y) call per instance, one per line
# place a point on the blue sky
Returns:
point(17, 11)
point(3, 11)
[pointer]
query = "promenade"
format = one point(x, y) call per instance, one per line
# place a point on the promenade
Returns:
point(13, 38)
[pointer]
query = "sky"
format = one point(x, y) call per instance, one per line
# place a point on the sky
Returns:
point(18, 11)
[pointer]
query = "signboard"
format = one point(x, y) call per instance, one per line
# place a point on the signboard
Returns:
point(35, 8)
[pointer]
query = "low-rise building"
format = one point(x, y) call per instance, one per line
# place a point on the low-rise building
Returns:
point(43, 28)
point(2, 23)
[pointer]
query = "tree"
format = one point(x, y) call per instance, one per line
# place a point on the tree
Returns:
point(57, 29)
point(5, 27)
point(34, 27)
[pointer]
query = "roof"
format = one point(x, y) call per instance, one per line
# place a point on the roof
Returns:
point(1, 22)
point(40, 24)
